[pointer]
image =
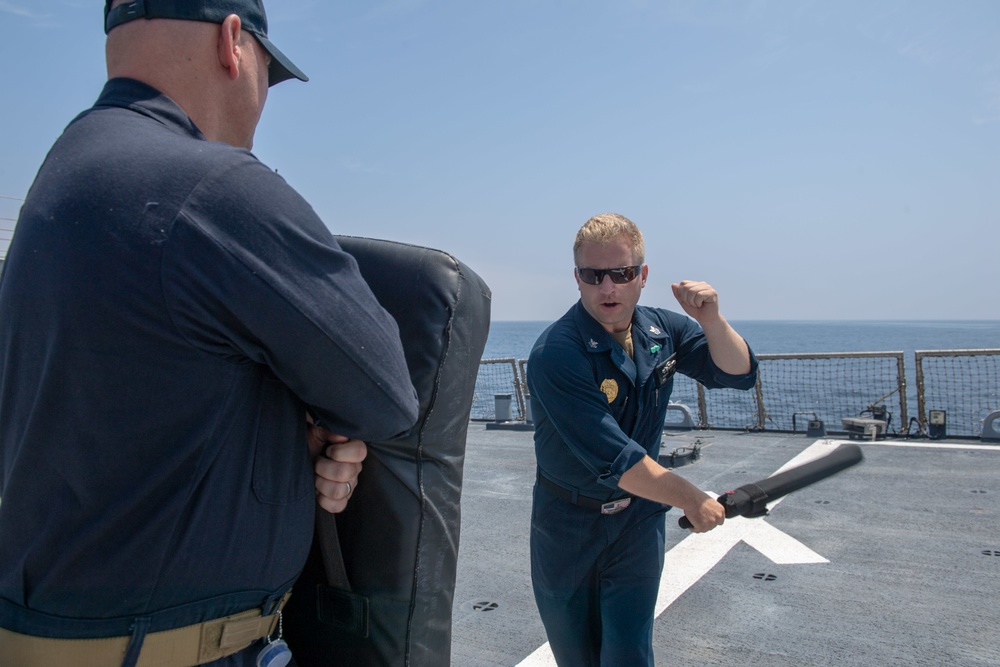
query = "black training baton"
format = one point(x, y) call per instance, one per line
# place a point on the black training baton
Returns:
point(750, 499)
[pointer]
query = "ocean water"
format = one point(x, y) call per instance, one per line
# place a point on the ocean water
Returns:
point(514, 339)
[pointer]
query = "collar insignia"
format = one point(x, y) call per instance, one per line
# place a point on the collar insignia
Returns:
point(593, 343)
point(653, 329)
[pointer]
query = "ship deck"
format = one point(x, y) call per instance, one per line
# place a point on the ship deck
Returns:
point(895, 561)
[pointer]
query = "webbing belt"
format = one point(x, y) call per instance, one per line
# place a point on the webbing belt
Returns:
point(606, 506)
point(180, 647)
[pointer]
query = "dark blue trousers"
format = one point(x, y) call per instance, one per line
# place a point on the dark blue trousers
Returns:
point(595, 578)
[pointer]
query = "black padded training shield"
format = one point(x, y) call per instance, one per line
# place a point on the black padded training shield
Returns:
point(389, 601)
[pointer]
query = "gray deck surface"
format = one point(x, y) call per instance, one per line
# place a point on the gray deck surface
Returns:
point(910, 539)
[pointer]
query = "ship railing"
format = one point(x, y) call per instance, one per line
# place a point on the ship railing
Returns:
point(800, 389)
point(964, 385)
point(499, 378)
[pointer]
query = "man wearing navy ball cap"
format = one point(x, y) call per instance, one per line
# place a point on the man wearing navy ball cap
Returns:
point(250, 12)
point(175, 324)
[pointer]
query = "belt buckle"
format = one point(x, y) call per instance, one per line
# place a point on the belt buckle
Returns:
point(615, 506)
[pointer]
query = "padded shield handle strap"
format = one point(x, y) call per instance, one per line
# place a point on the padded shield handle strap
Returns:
point(335, 603)
point(333, 557)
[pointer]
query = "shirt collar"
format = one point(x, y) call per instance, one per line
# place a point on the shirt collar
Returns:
point(143, 98)
point(647, 326)
point(596, 339)
point(593, 335)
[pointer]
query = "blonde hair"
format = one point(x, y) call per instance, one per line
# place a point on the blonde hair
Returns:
point(607, 227)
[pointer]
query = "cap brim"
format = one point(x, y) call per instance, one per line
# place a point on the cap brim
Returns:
point(281, 68)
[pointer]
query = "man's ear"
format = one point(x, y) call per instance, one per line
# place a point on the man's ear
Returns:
point(229, 46)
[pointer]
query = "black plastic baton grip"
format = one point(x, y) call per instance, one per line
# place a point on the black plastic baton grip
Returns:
point(750, 500)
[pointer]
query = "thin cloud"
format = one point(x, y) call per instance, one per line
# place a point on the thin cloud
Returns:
point(16, 10)
point(922, 50)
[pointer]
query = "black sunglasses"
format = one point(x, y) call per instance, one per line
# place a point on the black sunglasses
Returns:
point(619, 276)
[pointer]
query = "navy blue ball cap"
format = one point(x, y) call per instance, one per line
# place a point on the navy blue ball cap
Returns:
point(251, 13)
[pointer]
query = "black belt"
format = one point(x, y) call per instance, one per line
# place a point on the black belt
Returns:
point(605, 506)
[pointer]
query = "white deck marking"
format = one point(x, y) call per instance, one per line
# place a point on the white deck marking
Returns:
point(692, 559)
point(929, 445)
point(541, 657)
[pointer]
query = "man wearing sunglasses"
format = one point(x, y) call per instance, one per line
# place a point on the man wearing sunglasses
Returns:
point(600, 379)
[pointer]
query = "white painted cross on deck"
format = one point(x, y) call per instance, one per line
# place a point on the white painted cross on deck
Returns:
point(696, 555)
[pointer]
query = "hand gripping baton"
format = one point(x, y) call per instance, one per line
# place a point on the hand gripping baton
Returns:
point(750, 500)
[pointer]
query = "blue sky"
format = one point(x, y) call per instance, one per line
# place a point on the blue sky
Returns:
point(812, 160)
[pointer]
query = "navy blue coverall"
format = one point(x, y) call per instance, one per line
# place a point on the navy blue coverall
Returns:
point(169, 308)
point(597, 413)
